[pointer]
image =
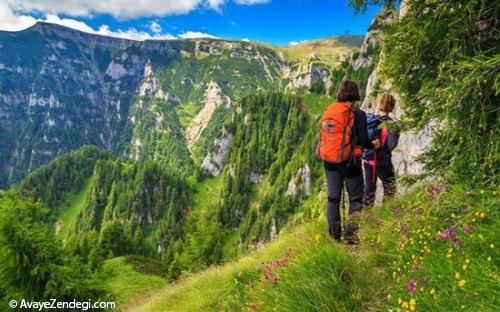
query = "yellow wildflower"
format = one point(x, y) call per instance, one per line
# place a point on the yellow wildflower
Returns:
point(457, 275)
point(399, 300)
point(404, 305)
point(467, 261)
point(482, 215)
point(461, 283)
point(489, 258)
point(464, 267)
point(432, 292)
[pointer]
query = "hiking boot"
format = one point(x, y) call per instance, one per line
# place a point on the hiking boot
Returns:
point(351, 234)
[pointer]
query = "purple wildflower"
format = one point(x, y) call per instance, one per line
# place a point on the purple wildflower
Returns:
point(426, 279)
point(448, 233)
point(457, 242)
point(397, 212)
point(411, 286)
point(275, 281)
point(253, 306)
point(466, 228)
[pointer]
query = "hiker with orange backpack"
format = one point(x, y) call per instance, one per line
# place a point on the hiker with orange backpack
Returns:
point(343, 134)
point(377, 163)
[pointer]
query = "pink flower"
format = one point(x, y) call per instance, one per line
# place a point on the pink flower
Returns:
point(411, 286)
point(466, 228)
point(397, 212)
point(457, 242)
point(275, 281)
point(425, 279)
point(448, 233)
point(253, 306)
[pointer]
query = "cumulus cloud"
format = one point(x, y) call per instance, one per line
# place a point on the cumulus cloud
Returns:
point(245, 39)
point(195, 35)
point(293, 43)
point(104, 30)
point(124, 9)
point(12, 22)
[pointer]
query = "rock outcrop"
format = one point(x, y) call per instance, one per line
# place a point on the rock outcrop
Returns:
point(301, 183)
point(213, 100)
point(214, 161)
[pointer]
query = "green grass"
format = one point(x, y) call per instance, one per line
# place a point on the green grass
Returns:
point(125, 281)
point(70, 209)
point(319, 276)
point(397, 245)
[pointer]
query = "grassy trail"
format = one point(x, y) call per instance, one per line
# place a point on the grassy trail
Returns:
point(432, 250)
point(70, 210)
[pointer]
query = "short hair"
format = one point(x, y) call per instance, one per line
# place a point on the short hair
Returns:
point(386, 103)
point(348, 91)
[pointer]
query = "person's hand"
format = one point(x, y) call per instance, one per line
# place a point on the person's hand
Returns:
point(376, 143)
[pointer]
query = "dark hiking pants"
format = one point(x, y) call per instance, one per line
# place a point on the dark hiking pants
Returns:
point(353, 179)
point(386, 175)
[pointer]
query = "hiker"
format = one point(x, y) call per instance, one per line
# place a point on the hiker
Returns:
point(342, 135)
point(377, 163)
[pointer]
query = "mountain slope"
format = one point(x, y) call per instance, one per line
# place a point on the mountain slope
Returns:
point(68, 88)
point(304, 268)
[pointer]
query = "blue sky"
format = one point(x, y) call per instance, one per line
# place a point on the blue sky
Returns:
point(274, 21)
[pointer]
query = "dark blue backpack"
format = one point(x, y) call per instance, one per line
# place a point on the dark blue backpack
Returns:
point(372, 123)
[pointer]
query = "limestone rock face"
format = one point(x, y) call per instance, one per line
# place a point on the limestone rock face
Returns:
point(301, 183)
point(307, 74)
point(214, 161)
point(213, 100)
point(411, 143)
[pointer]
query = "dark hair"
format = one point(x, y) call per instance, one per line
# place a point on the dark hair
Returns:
point(386, 103)
point(348, 91)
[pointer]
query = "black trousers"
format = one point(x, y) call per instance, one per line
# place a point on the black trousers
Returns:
point(352, 177)
point(386, 175)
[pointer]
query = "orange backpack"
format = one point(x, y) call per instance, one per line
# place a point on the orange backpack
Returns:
point(335, 144)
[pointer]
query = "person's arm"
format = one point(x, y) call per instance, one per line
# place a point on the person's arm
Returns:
point(362, 130)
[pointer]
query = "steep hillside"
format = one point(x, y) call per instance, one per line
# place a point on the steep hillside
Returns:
point(68, 88)
point(418, 253)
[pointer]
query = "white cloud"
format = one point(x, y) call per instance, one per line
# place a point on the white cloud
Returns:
point(245, 39)
point(124, 9)
point(155, 27)
point(251, 2)
point(195, 35)
point(11, 22)
point(294, 43)
point(104, 30)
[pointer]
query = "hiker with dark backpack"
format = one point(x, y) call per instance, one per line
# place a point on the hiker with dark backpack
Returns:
point(377, 163)
point(343, 134)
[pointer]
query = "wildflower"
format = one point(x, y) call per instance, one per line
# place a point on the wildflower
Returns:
point(275, 281)
point(397, 212)
point(404, 305)
point(489, 258)
point(412, 302)
point(399, 300)
point(457, 275)
point(317, 238)
point(461, 283)
point(464, 267)
point(467, 261)
point(457, 242)
point(426, 279)
point(492, 246)
point(432, 292)
point(411, 286)
point(253, 306)
point(448, 233)
point(466, 228)
point(482, 215)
